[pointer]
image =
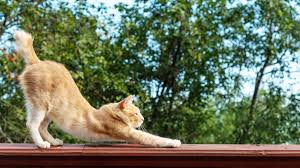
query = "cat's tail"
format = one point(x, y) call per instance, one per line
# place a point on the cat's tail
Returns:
point(24, 46)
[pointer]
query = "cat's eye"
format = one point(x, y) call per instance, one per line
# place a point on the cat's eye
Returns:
point(136, 114)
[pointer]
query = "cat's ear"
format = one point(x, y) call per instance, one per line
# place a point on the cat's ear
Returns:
point(125, 102)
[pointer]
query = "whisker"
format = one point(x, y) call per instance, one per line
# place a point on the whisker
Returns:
point(141, 128)
point(144, 129)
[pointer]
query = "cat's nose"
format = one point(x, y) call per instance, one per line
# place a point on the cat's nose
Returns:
point(142, 118)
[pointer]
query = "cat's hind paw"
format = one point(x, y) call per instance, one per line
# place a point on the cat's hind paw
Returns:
point(43, 144)
point(57, 142)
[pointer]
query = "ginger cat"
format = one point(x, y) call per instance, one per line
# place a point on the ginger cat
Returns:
point(52, 95)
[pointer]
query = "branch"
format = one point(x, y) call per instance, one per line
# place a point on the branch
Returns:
point(3, 27)
point(247, 124)
point(168, 78)
point(10, 21)
point(5, 136)
point(279, 60)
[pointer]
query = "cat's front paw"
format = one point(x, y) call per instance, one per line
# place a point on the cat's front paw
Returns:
point(172, 143)
point(57, 142)
point(176, 143)
point(43, 144)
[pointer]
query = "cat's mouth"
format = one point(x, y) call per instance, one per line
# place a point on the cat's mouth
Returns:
point(138, 126)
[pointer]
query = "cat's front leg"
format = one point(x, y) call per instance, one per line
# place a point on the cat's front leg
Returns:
point(144, 138)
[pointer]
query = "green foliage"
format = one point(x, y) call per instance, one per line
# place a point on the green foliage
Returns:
point(186, 60)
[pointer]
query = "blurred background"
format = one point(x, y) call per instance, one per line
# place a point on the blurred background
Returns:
point(204, 71)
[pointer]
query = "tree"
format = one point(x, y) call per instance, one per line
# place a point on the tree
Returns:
point(271, 33)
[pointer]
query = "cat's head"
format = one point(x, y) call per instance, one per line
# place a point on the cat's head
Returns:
point(129, 113)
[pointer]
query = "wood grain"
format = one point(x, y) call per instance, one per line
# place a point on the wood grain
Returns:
point(131, 155)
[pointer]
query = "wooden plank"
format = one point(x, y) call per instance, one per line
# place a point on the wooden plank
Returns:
point(139, 150)
point(131, 155)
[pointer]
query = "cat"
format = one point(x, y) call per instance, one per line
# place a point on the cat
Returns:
point(52, 95)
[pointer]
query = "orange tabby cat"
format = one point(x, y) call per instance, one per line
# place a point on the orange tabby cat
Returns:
point(52, 95)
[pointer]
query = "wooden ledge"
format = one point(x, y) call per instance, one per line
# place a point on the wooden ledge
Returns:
point(139, 150)
point(188, 155)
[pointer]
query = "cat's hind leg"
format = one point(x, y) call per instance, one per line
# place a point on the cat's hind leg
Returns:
point(34, 120)
point(46, 135)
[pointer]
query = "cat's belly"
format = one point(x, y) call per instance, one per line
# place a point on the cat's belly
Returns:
point(86, 135)
point(81, 131)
